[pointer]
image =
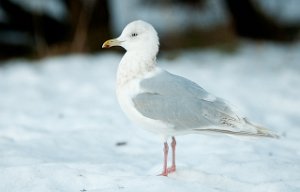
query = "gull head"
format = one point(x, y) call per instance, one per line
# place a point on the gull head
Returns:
point(136, 36)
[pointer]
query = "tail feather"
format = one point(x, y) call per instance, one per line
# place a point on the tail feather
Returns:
point(249, 130)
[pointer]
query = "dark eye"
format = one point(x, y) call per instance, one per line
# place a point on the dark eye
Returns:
point(134, 34)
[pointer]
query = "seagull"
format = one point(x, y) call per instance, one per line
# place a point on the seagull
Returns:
point(167, 104)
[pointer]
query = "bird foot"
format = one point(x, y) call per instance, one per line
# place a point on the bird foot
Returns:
point(172, 169)
point(164, 173)
point(169, 170)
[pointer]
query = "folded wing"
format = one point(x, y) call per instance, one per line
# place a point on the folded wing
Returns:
point(188, 107)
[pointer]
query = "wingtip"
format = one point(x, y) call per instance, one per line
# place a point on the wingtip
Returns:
point(262, 131)
point(275, 136)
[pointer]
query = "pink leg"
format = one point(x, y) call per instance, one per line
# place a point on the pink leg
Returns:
point(165, 170)
point(173, 167)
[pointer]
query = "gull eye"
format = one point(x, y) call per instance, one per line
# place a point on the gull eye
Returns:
point(134, 34)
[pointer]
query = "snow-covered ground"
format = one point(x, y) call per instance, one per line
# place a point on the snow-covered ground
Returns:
point(61, 128)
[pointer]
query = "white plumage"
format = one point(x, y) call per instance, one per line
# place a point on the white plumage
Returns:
point(165, 103)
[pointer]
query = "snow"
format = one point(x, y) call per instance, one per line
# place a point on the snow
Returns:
point(53, 8)
point(285, 12)
point(177, 16)
point(61, 128)
point(168, 17)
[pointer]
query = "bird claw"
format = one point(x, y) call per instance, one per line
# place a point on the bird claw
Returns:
point(163, 174)
point(169, 170)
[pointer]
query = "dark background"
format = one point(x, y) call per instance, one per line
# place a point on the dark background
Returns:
point(86, 24)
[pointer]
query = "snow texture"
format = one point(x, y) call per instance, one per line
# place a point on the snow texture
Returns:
point(61, 128)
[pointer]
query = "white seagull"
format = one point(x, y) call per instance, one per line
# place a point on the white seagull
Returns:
point(167, 104)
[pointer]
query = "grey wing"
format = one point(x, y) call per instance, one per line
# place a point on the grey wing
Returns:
point(182, 103)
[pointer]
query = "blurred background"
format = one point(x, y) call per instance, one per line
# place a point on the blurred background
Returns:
point(61, 127)
point(39, 28)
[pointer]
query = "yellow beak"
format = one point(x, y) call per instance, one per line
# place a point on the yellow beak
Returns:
point(111, 43)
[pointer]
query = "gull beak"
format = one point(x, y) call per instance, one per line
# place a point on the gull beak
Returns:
point(111, 43)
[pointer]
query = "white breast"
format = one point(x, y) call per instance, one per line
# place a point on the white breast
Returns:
point(129, 86)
